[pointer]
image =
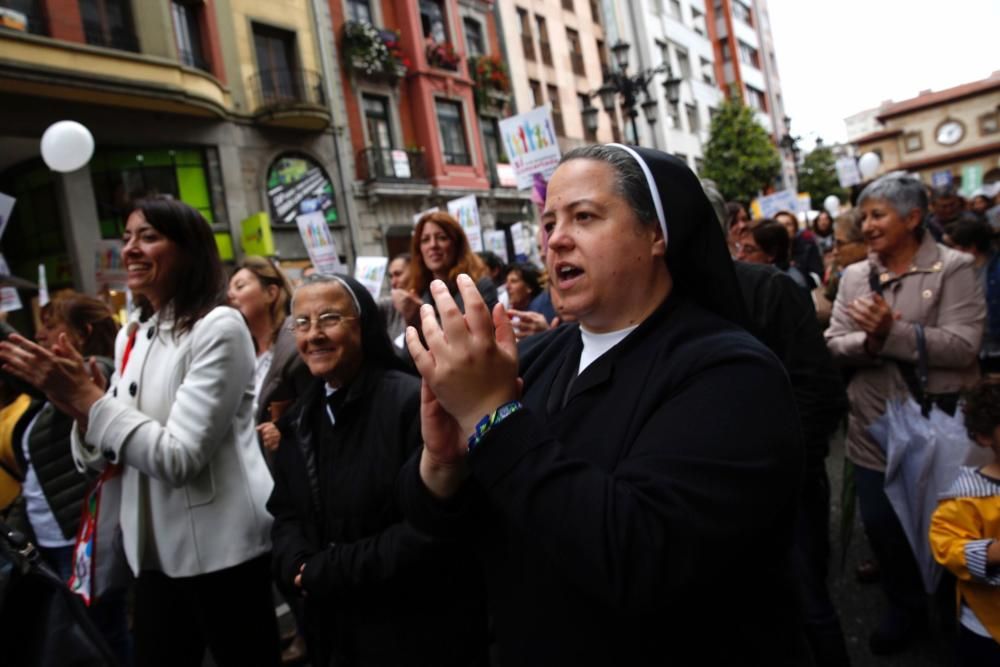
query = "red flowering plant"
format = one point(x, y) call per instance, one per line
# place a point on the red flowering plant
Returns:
point(442, 55)
point(490, 76)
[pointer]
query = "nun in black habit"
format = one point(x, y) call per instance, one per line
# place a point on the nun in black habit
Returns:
point(633, 500)
point(374, 587)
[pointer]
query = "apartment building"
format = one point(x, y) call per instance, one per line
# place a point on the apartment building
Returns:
point(558, 52)
point(224, 104)
point(745, 63)
point(423, 124)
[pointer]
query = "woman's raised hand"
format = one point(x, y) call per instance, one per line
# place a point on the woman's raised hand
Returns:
point(470, 362)
point(61, 374)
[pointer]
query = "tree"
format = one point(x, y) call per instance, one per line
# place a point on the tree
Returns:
point(740, 156)
point(818, 176)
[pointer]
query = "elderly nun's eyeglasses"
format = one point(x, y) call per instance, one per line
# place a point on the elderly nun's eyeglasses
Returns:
point(325, 322)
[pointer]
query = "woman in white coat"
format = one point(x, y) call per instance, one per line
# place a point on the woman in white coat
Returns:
point(178, 417)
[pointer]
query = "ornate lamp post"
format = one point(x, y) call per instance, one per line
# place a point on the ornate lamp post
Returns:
point(629, 87)
point(791, 144)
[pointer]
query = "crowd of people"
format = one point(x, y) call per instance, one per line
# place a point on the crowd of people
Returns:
point(618, 458)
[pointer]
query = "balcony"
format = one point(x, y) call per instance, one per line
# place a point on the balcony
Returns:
point(290, 98)
point(57, 69)
point(386, 164)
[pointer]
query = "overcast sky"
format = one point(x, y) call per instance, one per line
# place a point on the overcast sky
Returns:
point(838, 57)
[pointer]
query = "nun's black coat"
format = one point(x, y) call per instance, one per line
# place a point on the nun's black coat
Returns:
point(640, 513)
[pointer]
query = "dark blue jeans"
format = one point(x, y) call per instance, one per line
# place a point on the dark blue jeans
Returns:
point(109, 613)
point(900, 576)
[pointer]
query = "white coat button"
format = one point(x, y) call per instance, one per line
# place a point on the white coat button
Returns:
point(928, 294)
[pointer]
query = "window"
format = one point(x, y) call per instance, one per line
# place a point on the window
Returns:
point(575, 52)
point(602, 56)
point(724, 50)
point(453, 145)
point(109, 23)
point(698, 22)
point(674, 111)
point(432, 20)
point(187, 32)
point(913, 142)
point(694, 122)
point(495, 153)
point(741, 12)
point(377, 121)
point(527, 42)
point(674, 6)
point(474, 42)
point(557, 117)
point(275, 63)
point(536, 93)
point(543, 40)
point(359, 11)
point(989, 123)
point(756, 99)
point(707, 75)
point(595, 11)
point(656, 6)
point(683, 62)
point(567, 4)
point(749, 55)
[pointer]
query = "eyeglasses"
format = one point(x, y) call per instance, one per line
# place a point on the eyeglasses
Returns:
point(325, 322)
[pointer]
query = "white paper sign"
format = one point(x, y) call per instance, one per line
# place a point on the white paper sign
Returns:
point(6, 207)
point(522, 241)
point(784, 200)
point(400, 164)
point(9, 300)
point(43, 287)
point(109, 270)
point(319, 243)
point(847, 172)
point(370, 272)
point(417, 217)
point(466, 211)
point(495, 241)
point(530, 141)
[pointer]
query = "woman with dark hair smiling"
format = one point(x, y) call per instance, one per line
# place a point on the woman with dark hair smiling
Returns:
point(612, 499)
point(177, 418)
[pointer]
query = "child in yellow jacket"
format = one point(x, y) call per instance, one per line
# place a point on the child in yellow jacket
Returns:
point(965, 534)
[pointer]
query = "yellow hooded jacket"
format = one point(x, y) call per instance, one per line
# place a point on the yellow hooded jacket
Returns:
point(10, 473)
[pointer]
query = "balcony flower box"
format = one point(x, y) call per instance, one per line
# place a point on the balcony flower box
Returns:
point(374, 53)
point(492, 81)
point(443, 56)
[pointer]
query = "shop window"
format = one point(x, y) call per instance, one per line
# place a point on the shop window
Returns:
point(120, 177)
point(453, 143)
point(187, 33)
point(109, 23)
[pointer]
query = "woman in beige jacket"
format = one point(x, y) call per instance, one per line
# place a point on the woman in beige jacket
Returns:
point(908, 280)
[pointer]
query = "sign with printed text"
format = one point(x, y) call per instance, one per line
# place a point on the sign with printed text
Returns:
point(783, 200)
point(370, 272)
point(972, 179)
point(319, 243)
point(9, 299)
point(520, 234)
point(400, 164)
point(109, 269)
point(530, 141)
point(847, 172)
point(495, 242)
point(466, 211)
point(941, 179)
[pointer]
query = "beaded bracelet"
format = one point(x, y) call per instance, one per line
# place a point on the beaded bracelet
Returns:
point(491, 420)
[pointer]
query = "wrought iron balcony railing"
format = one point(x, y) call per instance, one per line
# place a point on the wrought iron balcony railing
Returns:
point(277, 88)
point(387, 164)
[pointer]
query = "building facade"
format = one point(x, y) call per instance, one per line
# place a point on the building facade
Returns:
point(745, 64)
point(951, 135)
point(224, 104)
point(423, 124)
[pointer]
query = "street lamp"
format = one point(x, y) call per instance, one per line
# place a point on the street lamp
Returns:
point(629, 88)
point(791, 144)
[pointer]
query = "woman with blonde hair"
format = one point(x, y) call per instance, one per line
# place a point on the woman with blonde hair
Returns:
point(440, 251)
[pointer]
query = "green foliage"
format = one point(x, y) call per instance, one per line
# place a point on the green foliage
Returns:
point(818, 176)
point(740, 156)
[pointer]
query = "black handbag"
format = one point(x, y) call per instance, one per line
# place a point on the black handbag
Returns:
point(42, 623)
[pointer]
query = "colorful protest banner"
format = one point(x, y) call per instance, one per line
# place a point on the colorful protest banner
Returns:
point(466, 211)
point(370, 272)
point(319, 242)
point(495, 241)
point(109, 269)
point(530, 141)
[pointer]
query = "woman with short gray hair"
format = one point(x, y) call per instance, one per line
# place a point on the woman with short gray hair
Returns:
point(909, 283)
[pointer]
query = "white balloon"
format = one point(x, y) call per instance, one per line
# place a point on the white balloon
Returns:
point(832, 205)
point(67, 146)
point(868, 165)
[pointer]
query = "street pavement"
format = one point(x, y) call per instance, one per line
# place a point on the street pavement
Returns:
point(861, 605)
